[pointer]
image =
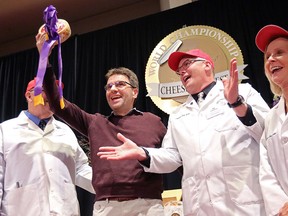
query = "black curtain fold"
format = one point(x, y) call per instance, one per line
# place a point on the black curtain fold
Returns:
point(15, 73)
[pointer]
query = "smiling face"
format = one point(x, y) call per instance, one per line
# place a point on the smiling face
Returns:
point(276, 63)
point(121, 99)
point(196, 76)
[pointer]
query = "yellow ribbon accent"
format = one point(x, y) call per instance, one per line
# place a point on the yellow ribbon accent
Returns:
point(62, 105)
point(38, 100)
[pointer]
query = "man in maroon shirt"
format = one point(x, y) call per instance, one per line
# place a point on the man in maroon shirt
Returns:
point(122, 188)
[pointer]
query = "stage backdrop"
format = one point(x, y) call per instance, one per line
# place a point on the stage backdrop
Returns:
point(87, 57)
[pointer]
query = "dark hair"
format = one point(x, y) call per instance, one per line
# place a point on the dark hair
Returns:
point(126, 72)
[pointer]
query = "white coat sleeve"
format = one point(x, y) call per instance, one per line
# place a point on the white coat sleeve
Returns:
point(273, 194)
point(167, 158)
point(2, 169)
point(83, 171)
point(259, 108)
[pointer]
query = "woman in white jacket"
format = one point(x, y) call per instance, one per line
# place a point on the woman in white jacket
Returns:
point(272, 40)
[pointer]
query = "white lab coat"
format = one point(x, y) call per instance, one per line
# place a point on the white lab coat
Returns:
point(220, 155)
point(274, 159)
point(39, 169)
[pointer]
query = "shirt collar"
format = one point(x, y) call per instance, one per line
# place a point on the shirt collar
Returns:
point(34, 118)
point(206, 90)
point(132, 111)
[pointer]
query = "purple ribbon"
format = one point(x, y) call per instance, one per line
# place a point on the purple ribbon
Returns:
point(50, 20)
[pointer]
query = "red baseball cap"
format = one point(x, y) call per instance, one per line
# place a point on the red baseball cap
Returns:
point(32, 84)
point(267, 34)
point(176, 57)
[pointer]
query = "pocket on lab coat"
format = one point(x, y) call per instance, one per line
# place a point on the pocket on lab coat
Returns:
point(277, 149)
point(243, 184)
point(23, 201)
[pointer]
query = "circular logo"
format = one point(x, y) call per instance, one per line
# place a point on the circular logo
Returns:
point(163, 84)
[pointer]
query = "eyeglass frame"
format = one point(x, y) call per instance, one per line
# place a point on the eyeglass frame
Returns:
point(187, 63)
point(108, 86)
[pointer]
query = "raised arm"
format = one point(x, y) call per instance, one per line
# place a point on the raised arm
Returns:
point(231, 91)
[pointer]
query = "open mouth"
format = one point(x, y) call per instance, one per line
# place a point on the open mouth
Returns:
point(115, 97)
point(275, 69)
point(186, 78)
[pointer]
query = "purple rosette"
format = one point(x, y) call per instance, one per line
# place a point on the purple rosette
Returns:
point(51, 29)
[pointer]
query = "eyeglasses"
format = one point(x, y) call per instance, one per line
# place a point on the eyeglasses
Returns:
point(187, 64)
point(118, 84)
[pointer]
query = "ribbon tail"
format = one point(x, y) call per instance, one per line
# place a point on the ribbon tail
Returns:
point(38, 99)
point(60, 68)
point(62, 104)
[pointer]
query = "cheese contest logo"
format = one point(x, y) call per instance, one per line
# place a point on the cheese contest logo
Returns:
point(163, 84)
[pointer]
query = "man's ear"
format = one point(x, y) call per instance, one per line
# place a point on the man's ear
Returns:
point(135, 92)
point(208, 64)
point(209, 67)
point(28, 96)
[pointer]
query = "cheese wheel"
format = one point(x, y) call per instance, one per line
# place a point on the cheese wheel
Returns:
point(63, 29)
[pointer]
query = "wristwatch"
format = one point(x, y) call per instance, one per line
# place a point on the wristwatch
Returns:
point(240, 100)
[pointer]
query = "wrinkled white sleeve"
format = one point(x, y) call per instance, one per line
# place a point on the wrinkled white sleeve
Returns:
point(167, 158)
point(83, 171)
point(260, 110)
point(2, 169)
point(273, 194)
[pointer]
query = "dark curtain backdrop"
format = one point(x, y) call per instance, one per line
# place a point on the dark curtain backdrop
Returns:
point(87, 57)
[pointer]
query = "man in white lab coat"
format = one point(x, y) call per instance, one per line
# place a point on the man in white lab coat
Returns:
point(39, 168)
point(215, 139)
